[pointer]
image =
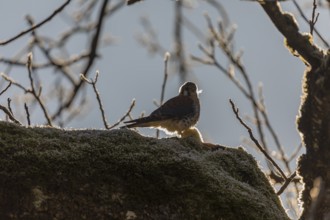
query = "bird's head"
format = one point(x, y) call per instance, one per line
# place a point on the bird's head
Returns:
point(189, 89)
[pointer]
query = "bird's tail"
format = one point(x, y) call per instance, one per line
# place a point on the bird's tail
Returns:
point(140, 122)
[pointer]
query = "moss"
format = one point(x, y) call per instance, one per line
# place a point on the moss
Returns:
point(96, 174)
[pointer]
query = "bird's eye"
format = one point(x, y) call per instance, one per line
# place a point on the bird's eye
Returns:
point(185, 93)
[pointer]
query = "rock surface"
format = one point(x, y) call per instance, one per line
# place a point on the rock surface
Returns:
point(48, 173)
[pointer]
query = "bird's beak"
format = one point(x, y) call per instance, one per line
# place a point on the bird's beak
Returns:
point(199, 91)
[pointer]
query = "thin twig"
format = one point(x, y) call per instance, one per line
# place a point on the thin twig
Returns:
point(306, 20)
point(256, 142)
point(126, 114)
point(35, 93)
point(314, 19)
point(9, 106)
point(9, 114)
point(93, 83)
point(37, 25)
point(166, 58)
point(286, 183)
point(5, 89)
point(27, 113)
point(12, 81)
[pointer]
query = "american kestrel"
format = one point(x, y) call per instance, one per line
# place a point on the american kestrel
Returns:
point(176, 115)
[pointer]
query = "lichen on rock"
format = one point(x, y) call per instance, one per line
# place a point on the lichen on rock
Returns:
point(49, 173)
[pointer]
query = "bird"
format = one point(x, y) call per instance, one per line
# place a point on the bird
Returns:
point(176, 115)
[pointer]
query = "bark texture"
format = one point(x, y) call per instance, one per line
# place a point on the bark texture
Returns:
point(314, 124)
point(49, 173)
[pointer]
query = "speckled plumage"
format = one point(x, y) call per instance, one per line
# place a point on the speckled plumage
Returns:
point(176, 115)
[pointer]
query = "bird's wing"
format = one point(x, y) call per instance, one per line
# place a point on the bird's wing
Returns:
point(177, 107)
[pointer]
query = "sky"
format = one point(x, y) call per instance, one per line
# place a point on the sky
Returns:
point(128, 71)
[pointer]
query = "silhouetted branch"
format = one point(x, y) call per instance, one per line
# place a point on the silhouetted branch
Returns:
point(13, 82)
point(126, 115)
point(9, 106)
point(256, 142)
point(37, 25)
point(286, 183)
point(5, 89)
point(9, 114)
point(27, 114)
point(307, 20)
point(166, 58)
point(32, 90)
point(93, 83)
point(35, 93)
point(313, 21)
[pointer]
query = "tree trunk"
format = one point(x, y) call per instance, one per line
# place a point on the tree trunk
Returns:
point(314, 124)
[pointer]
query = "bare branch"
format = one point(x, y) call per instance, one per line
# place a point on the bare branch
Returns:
point(13, 82)
point(58, 10)
point(35, 93)
point(166, 58)
point(306, 20)
point(9, 106)
point(27, 114)
point(314, 19)
point(9, 114)
point(286, 183)
point(126, 115)
point(5, 89)
point(256, 142)
point(93, 83)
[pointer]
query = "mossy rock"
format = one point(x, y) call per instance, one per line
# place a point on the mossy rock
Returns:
point(49, 173)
